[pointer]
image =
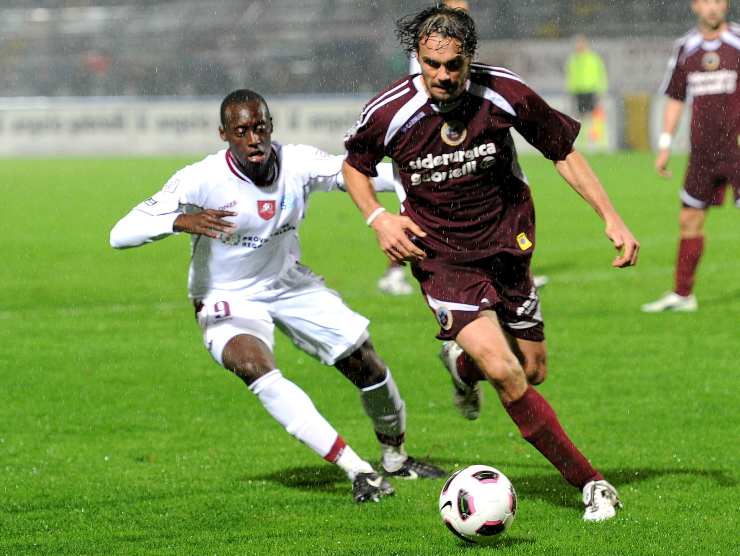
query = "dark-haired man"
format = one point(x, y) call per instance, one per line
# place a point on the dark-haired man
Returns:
point(704, 68)
point(243, 206)
point(468, 220)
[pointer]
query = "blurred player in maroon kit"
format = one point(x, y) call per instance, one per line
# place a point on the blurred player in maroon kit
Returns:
point(467, 224)
point(704, 67)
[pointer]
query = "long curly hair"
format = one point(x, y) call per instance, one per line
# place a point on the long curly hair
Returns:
point(447, 22)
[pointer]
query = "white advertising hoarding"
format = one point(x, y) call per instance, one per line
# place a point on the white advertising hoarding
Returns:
point(125, 127)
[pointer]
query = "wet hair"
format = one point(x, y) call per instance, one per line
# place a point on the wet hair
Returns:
point(241, 96)
point(448, 22)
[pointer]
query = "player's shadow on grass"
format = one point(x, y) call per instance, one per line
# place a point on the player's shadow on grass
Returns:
point(323, 478)
point(330, 479)
point(546, 486)
point(552, 489)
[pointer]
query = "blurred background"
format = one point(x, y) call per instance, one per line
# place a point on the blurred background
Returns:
point(162, 66)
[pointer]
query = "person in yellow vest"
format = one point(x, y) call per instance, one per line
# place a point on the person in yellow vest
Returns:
point(586, 81)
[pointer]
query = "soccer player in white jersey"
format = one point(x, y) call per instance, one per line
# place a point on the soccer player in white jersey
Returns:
point(243, 206)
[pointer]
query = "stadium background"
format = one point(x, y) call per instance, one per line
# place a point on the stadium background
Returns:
point(156, 69)
point(118, 433)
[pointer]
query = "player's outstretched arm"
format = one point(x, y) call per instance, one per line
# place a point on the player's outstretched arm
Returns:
point(390, 229)
point(139, 227)
point(671, 117)
point(579, 175)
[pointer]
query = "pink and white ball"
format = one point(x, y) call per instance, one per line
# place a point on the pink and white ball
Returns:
point(478, 504)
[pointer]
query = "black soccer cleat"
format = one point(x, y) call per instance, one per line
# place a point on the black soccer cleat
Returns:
point(415, 469)
point(370, 487)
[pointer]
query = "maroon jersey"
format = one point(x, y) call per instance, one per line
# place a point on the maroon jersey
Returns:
point(459, 167)
point(706, 72)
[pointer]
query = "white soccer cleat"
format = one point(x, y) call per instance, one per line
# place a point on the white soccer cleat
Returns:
point(465, 397)
point(394, 282)
point(540, 281)
point(671, 301)
point(601, 501)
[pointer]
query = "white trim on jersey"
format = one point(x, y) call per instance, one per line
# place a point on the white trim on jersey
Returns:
point(436, 304)
point(692, 201)
point(371, 104)
point(692, 44)
point(731, 39)
point(497, 71)
point(492, 96)
point(673, 60)
point(521, 325)
point(380, 105)
point(404, 114)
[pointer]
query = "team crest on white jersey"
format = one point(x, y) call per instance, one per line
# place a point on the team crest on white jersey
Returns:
point(266, 209)
point(453, 133)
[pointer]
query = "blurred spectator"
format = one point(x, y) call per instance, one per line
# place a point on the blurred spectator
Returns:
point(586, 81)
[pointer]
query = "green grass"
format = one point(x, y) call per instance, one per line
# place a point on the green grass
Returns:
point(119, 435)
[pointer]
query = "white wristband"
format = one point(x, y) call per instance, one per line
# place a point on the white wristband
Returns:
point(665, 140)
point(374, 214)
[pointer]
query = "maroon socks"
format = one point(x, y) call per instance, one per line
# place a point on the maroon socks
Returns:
point(540, 427)
point(689, 253)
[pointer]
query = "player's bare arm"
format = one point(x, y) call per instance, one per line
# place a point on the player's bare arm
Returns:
point(671, 117)
point(209, 222)
point(391, 230)
point(579, 175)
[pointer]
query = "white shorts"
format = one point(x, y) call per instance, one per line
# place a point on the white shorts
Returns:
point(309, 313)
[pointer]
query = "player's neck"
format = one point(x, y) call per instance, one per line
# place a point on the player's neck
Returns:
point(261, 176)
point(710, 34)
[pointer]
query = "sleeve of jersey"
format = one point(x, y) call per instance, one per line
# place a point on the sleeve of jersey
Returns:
point(365, 144)
point(548, 130)
point(674, 84)
point(326, 173)
point(152, 219)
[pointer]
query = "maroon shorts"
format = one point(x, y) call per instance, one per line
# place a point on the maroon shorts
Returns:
point(457, 293)
point(707, 180)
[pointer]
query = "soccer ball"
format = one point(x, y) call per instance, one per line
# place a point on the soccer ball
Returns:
point(478, 504)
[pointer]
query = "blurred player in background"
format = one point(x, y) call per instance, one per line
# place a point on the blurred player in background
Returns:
point(243, 206)
point(586, 81)
point(468, 220)
point(394, 280)
point(704, 66)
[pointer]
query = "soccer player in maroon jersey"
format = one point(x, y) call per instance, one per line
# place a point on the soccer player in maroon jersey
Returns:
point(704, 66)
point(468, 221)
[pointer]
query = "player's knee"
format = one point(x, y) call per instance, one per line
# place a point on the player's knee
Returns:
point(535, 368)
point(363, 367)
point(499, 368)
point(691, 222)
point(248, 370)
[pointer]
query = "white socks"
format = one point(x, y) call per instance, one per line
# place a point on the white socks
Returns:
point(293, 409)
point(352, 464)
point(386, 409)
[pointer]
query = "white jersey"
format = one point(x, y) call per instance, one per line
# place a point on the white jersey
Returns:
point(264, 246)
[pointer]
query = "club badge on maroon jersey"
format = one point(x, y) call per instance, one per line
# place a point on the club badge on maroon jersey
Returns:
point(266, 209)
point(453, 133)
point(523, 241)
point(444, 316)
point(710, 61)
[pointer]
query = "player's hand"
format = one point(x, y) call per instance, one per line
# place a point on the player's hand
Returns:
point(661, 163)
point(393, 237)
point(625, 243)
point(209, 222)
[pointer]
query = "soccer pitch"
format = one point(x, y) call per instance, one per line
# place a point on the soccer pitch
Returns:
point(120, 435)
